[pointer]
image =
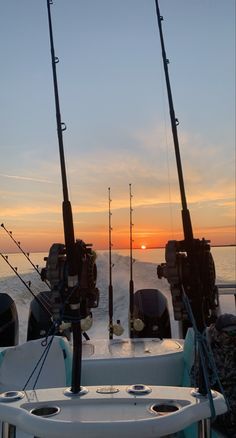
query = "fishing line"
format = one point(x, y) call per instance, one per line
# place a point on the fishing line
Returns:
point(110, 287)
point(131, 282)
point(167, 150)
point(42, 305)
point(42, 358)
point(167, 159)
point(72, 277)
point(25, 254)
point(186, 219)
point(205, 352)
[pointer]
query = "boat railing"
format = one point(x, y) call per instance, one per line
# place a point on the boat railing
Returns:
point(227, 289)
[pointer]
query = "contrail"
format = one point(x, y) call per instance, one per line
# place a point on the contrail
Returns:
point(27, 178)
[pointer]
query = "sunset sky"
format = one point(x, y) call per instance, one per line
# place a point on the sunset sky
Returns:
point(113, 101)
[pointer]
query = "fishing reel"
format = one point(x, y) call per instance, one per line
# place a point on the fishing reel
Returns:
point(194, 273)
point(67, 303)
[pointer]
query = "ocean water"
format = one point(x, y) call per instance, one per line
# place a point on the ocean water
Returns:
point(144, 274)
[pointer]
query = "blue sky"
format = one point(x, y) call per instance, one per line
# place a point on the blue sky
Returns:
point(113, 101)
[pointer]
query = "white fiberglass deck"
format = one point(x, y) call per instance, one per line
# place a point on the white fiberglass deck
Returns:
point(126, 361)
point(106, 411)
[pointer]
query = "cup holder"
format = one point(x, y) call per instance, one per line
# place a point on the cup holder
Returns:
point(164, 409)
point(45, 411)
point(10, 396)
point(139, 389)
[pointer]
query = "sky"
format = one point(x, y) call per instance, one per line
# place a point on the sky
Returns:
point(114, 103)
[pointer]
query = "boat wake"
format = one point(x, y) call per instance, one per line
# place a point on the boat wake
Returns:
point(144, 277)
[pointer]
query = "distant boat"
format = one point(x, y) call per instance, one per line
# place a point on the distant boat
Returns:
point(135, 387)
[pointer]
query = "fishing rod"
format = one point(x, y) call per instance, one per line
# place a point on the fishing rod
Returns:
point(15, 270)
point(131, 282)
point(189, 266)
point(66, 205)
point(110, 288)
point(26, 254)
point(187, 225)
point(73, 280)
point(68, 223)
point(114, 329)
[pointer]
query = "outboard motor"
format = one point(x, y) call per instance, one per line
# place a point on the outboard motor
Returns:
point(9, 325)
point(151, 307)
point(39, 321)
point(47, 307)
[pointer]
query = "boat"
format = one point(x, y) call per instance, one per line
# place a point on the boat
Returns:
point(139, 386)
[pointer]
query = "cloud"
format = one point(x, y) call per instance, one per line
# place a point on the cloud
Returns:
point(20, 211)
point(27, 178)
point(145, 160)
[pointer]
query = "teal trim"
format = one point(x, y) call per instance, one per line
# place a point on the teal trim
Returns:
point(192, 432)
point(2, 354)
point(67, 359)
point(189, 347)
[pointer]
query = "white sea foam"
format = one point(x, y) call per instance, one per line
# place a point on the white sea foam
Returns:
point(144, 277)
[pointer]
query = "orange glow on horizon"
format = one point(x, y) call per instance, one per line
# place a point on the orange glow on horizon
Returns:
point(36, 239)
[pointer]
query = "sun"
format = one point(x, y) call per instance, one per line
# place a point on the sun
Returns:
point(143, 246)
